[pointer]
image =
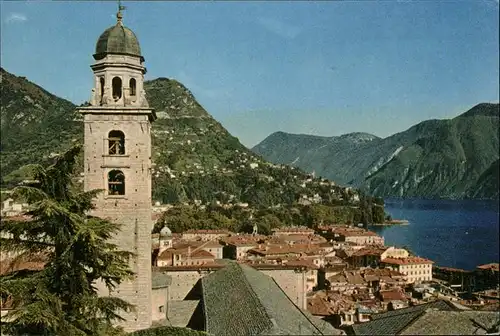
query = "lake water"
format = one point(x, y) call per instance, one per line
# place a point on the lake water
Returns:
point(461, 234)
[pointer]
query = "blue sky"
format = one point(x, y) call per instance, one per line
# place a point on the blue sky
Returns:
point(324, 68)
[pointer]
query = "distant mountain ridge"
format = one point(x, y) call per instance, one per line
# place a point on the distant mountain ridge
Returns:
point(450, 158)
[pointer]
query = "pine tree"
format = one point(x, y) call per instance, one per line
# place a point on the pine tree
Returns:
point(61, 298)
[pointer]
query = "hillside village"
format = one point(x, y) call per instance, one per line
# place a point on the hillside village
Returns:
point(342, 274)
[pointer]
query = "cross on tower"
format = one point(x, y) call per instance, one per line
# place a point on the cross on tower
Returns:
point(119, 15)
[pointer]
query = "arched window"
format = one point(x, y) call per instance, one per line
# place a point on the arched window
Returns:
point(116, 183)
point(117, 88)
point(116, 143)
point(101, 90)
point(132, 86)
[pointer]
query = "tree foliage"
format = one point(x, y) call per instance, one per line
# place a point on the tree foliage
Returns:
point(61, 299)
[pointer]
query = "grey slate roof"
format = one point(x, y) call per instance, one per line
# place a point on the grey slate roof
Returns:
point(435, 318)
point(454, 323)
point(394, 322)
point(180, 311)
point(160, 280)
point(239, 300)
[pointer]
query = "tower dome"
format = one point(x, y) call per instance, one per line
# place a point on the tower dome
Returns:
point(117, 39)
point(165, 232)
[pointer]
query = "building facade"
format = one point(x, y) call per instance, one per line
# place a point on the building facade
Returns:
point(117, 159)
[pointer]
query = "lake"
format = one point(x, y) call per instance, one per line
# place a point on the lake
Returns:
point(461, 234)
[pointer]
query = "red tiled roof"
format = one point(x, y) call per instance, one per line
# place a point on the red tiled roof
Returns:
point(293, 229)
point(357, 233)
point(263, 264)
point(17, 218)
point(285, 249)
point(207, 232)
point(407, 261)
point(33, 262)
point(212, 244)
point(392, 295)
point(491, 266)
point(451, 269)
point(194, 254)
point(318, 306)
point(206, 266)
point(372, 250)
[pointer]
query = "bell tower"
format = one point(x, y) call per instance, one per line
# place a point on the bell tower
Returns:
point(117, 159)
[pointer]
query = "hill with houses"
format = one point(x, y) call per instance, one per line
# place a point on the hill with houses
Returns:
point(199, 168)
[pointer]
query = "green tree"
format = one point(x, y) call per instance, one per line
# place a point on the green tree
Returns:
point(61, 299)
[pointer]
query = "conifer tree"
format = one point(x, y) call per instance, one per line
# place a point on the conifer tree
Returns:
point(61, 298)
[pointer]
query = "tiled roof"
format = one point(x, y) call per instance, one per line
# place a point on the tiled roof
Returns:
point(357, 233)
point(243, 240)
point(453, 323)
point(239, 300)
point(395, 321)
point(294, 265)
point(212, 244)
point(286, 249)
point(492, 266)
point(205, 267)
point(318, 306)
point(372, 250)
point(450, 269)
point(193, 254)
point(392, 295)
point(293, 229)
point(439, 304)
point(407, 261)
point(17, 218)
point(207, 232)
point(31, 262)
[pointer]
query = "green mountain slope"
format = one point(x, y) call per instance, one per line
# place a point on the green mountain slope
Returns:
point(326, 156)
point(433, 159)
point(196, 161)
point(34, 123)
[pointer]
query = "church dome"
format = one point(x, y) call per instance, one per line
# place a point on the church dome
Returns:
point(165, 232)
point(117, 40)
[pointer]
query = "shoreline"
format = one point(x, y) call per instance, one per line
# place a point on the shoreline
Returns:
point(392, 222)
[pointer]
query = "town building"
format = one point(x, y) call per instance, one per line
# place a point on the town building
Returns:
point(416, 269)
point(205, 235)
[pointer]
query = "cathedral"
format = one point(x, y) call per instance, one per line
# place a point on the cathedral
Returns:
point(117, 159)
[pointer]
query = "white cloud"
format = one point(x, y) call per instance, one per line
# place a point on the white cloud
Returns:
point(282, 29)
point(16, 17)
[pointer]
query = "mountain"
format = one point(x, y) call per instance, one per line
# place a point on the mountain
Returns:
point(195, 160)
point(33, 122)
point(326, 156)
point(452, 158)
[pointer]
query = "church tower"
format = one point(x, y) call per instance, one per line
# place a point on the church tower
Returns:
point(117, 160)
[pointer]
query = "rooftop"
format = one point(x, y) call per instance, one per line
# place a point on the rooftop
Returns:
point(257, 305)
point(407, 261)
point(396, 321)
point(117, 39)
point(492, 266)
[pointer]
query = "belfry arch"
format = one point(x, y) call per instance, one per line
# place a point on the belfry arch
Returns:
point(116, 143)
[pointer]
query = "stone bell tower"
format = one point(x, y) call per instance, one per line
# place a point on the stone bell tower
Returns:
point(118, 159)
